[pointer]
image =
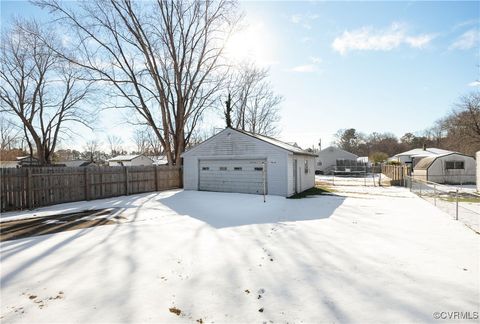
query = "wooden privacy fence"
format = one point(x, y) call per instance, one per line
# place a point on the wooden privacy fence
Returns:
point(396, 173)
point(31, 187)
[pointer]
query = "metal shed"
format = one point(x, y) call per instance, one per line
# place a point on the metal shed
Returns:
point(238, 161)
point(451, 168)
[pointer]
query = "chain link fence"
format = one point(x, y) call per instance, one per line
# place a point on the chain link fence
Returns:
point(460, 201)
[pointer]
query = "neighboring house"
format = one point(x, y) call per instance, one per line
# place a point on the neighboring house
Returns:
point(28, 160)
point(451, 168)
point(239, 161)
point(159, 160)
point(130, 160)
point(327, 159)
point(412, 157)
point(76, 163)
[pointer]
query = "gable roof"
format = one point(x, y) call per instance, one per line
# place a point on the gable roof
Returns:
point(294, 148)
point(334, 148)
point(125, 157)
point(419, 152)
point(270, 140)
point(75, 163)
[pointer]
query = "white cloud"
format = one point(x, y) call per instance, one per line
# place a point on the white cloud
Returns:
point(296, 19)
point(419, 41)
point(306, 39)
point(368, 38)
point(307, 68)
point(467, 40)
point(304, 20)
point(474, 84)
point(315, 59)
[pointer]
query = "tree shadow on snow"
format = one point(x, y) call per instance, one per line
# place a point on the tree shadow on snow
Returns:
point(222, 210)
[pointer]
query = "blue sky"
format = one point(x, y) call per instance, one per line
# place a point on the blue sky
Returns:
point(375, 66)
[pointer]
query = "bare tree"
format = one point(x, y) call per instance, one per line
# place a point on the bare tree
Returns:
point(44, 92)
point(462, 127)
point(10, 134)
point(255, 105)
point(146, 142)
point(92, 150)
point(115, 144)
point(163, 58)
point(140, 137)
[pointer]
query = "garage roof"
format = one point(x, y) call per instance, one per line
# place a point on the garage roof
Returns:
point(289, 147)
point(270, 140)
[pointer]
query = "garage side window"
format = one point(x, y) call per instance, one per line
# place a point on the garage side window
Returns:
point(237, 168)
point(223, 168)
point(454, 165)
point(205, 168)
point(258, 168)
point(306, 166)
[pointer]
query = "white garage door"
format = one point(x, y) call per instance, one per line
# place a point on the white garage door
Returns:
point(244, 176)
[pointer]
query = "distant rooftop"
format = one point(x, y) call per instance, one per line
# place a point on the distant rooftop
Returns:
point(420, 152)
point(125, 157)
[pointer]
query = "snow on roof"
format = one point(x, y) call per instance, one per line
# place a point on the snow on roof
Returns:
point(125, 157)
point(334, 148)
point(159, 160)
point(289, 147)
point(419, 152)
point(74, 163)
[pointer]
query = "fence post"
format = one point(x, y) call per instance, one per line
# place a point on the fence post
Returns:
point(29, 189)
point(380, 177)
point(87, 184)
point(156, 178)
point(456, 205)
point(126, 181)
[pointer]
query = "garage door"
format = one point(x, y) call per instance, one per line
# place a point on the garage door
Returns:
point(244, 176)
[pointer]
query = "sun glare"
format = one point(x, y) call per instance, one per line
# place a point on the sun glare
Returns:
point(252, 43)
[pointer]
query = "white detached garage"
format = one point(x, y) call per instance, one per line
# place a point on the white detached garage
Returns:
point(239, 161)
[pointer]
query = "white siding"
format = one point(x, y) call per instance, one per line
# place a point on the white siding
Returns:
point(304, 180)
point(437, 172)
point(230, 144)
point(328, 158)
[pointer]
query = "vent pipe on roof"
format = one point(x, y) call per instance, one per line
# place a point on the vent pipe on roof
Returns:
point(424, 146)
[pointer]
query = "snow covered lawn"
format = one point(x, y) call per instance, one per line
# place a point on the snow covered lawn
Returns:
point(365, 255)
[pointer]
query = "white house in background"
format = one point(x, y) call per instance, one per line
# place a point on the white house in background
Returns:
point(76, 163)
point(412, 157)
point(327, 159)
point(451, 168)
point(239, 161)
point(159, 160)
point(130, 160)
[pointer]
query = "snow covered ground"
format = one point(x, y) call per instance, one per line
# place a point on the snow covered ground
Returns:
point(364, 255)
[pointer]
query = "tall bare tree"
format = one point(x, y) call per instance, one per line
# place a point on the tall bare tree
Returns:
point(92, 150)
point(115, 144)
point(255, 106)
point(40, 89)
point(462, 126)
point(163, 58)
